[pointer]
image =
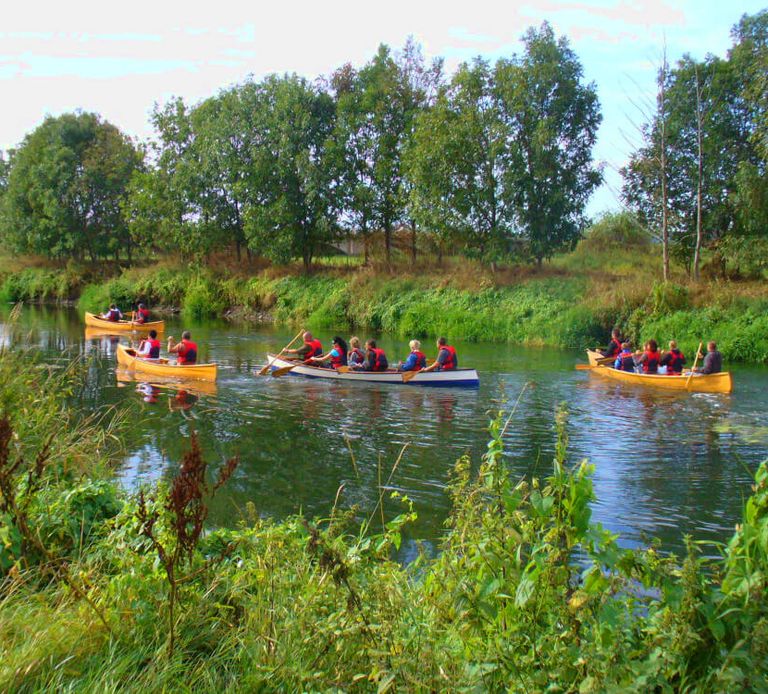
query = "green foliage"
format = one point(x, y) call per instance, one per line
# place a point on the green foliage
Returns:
point(40, 285)
point(745, 256)
point(711, 127)
point(615, 230)
point(526, 592)
point(202, 299)
point(65, 186)
point(667, 297)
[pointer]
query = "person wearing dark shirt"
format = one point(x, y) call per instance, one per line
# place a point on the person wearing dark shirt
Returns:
point(142, 315)
point(614, 346)
point(375, 359)
point(713, 362)
point(674, 360)
point(447, 360)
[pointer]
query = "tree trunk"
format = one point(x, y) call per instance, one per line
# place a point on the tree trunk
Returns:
point(663, 165)
point(413, 242)
point(237, 250)
point(700, 177)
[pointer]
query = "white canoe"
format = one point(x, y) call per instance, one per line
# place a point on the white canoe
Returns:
point(460, 378)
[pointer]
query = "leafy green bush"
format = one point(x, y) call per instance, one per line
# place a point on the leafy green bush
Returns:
point(667, 297)
point(745, 256)
point(615, 229)
point(202, 299)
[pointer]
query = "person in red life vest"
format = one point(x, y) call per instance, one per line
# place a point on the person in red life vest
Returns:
point(375, 359)
point(355, 356)
point(150, 346)
point(650, 359)
point(310, 348)
point(446, 357)
point(113, 314)
point(674, 360)
point(625, 361)
point(335, 358)
point(614, 346)
point(185, 351)
point(416, 359)
point(142, 315)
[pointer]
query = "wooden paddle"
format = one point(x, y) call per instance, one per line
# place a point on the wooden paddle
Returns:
point(693, 368)
point(410, 375)
point(584, 367)
point(276, 373)
point(265, 369)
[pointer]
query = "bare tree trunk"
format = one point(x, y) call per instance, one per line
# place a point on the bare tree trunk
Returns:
point(413, 242)
point(700, 177)
point(662, 108)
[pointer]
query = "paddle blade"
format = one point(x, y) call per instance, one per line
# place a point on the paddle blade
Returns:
point(410, 375)
point(343, 369)
point(264, 370)
point(283, 370)
point(583, 367)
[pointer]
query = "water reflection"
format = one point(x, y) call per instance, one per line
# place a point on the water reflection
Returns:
point(667, 463)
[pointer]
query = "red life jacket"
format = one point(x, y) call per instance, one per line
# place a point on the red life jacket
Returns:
point(651, 363)
point(358, 354)
point(142, 316)
point(381, 363)
point(154, 348)
point(453, 361)
point(187, 353)
point(675, 363)
point(113, 315)
point(421, 359)
point(317, 348)
point(340, 360)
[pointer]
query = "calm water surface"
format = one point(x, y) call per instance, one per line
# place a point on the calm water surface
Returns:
point(667, 464)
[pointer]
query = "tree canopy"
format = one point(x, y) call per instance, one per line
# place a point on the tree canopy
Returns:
point(65, 186)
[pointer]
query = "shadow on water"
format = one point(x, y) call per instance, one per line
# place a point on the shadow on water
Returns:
point(667, 463)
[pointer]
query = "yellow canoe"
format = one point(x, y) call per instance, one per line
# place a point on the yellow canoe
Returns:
point(127, 358)
point(122, 326)
point(596, 358)
point(698, 383)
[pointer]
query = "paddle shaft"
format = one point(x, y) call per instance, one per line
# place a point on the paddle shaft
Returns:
point(693, 368)
point(265, 369)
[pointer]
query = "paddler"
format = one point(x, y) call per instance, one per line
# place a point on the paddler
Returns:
point(311, 348)
point(185, 351)
point(416, 359)
point(447, 360)
point(614, 346)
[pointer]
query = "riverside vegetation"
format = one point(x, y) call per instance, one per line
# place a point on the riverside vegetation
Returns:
point(105, 590)
point(572, 302)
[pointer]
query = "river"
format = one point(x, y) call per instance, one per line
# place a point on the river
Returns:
point(667, 464)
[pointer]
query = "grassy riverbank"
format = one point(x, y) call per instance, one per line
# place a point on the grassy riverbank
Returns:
point(572, 302)
point(105, 591)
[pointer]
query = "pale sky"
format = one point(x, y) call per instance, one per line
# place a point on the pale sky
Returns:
point(118, 60)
